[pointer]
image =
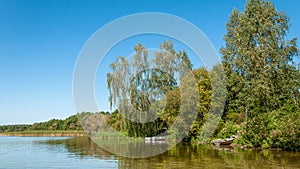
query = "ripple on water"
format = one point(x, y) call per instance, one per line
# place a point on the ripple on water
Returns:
point(80, 152)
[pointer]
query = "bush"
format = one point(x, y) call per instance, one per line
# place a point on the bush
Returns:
point(237, 118)
point(229, 129)
point(277, 129)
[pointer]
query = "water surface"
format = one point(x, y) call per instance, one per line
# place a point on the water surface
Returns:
point(80, 152)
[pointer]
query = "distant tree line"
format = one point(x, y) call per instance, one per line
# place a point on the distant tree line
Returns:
point(71, 123)
point(15, 127)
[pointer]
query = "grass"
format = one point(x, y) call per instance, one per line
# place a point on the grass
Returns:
point(44, 133)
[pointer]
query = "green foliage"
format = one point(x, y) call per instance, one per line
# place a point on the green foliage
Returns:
point(11, 128)
point(134, 86)
point(228, 129)
point(279, 129)
point(236, 118)
point(258, 59)
point(70, 123)
point(262, 78)
point(202, 78)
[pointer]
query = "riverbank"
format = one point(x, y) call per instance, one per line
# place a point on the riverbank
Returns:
point(42, 133)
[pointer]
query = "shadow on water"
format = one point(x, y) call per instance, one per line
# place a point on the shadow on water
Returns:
point(186, 156)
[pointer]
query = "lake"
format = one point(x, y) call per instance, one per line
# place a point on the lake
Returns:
point(80, 152)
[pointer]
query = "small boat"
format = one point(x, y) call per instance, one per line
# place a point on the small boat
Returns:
point(226, 141)
point(156, 138)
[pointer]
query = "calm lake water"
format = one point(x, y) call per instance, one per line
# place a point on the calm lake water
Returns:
point(80, 152)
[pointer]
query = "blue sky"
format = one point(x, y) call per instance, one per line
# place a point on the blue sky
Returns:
point(41, 40)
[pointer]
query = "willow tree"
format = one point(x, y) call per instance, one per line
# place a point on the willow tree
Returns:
point(259, 59)
point(138, 85)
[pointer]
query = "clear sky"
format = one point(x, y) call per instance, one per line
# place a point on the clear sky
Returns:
point(41, 40)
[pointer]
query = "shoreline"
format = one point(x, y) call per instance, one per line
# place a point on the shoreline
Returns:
point(44, 134)
point(83, 134)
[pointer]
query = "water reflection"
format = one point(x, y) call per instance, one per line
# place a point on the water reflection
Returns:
point(133, 148)
point(82, 146)
point(186, 156)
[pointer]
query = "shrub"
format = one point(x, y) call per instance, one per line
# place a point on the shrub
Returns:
point(277, 129)
point(229, 129)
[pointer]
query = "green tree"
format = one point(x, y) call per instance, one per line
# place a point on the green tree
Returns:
point(258, 59)
point(262, 77)
point(202, 78)
point(135, 87)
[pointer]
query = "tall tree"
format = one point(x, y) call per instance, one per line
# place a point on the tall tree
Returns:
point(258, 59)
point(138, 90)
